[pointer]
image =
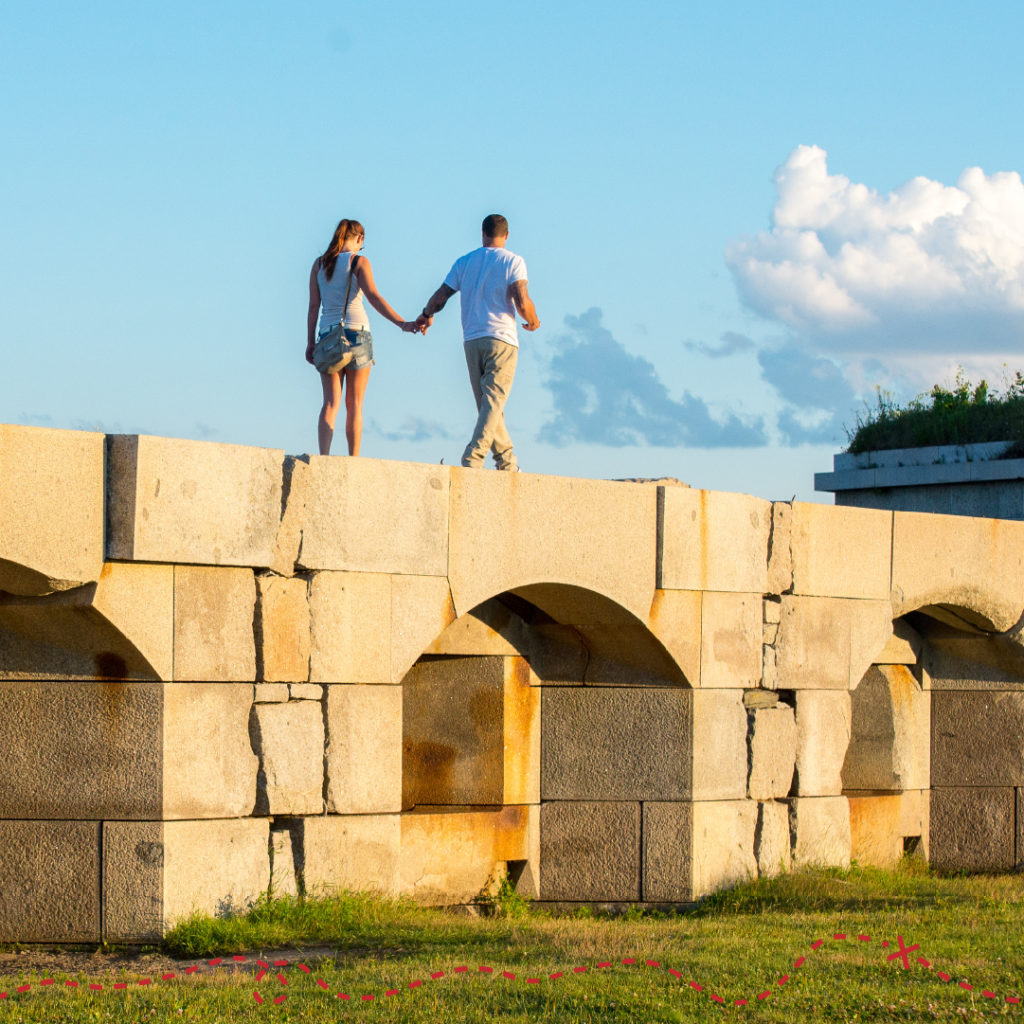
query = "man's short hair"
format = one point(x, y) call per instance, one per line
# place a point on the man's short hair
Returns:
point(495, 226)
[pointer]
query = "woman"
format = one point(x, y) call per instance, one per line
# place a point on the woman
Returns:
point(331, 279)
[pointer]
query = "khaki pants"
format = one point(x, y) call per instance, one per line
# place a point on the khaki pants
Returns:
point(492, 365)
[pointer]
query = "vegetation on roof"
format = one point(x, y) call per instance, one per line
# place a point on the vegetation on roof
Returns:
point(965, 413)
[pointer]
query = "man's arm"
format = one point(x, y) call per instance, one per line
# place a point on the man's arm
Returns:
point(524, 304)
point(434, 305)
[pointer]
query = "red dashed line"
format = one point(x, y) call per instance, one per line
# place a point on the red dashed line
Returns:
point(901, 958)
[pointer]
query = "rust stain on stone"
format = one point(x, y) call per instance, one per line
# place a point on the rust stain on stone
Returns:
point(428, 769)
point(110, 666)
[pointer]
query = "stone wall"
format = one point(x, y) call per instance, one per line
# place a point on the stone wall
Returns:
point(224, 670)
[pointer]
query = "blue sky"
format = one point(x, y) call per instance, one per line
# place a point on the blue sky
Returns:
point(738, 220)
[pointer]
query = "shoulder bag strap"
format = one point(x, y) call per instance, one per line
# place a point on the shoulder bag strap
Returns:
point(348, 287)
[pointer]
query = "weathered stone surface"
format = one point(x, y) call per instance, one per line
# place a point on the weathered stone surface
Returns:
point(209, 768)
point(731, 628)
point(421, 613)
point(50, 878)
point(972, 828)
point(822, 737)
point(350, 618)
point(81, 750)
point(282, 630)
point(289, 740)
point(841, 552)
point(471, 732)
point(294, 498)
point(557, 655)
point(356, 852)
point(195, 502)
point(883, 826)
point(723, 844)
point(667, 850)
point(270, 693)
point(213, 617)
point(780, 549)
point(118, 628)
point(217, 867)
point(676, 620)
point(372, 515)
point(126, 750)
point(772, 752)
point(364, 749)
point(590, 851)
point(133, 881)
point(521, 761)
point(976, 566)
point(547, 527)
point(283, 879)
point(627, 655)
point(828, 643)
point(977, 738)
point(138, 600)
point(305, 691)
point(772, 839)
point(904, 646)
point(709, 540)
point(719, 745)
point(490, 628)
point(821, 830)
point(1020, 829)
point(889, 743)
point(954, 659)
point(616, 744)
point(453, 732)
point(450, 856)
point(51, 515)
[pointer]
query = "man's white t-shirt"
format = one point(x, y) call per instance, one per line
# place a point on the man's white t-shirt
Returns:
point(483, 277)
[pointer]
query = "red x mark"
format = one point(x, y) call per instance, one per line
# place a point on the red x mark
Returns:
point(903, 953)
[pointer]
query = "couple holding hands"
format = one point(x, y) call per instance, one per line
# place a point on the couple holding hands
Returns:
point(491, 281)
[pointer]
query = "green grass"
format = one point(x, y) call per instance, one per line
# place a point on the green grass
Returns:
point(736, 943)
point(963, 414)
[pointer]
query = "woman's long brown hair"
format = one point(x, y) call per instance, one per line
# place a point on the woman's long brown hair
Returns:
point(344, 231)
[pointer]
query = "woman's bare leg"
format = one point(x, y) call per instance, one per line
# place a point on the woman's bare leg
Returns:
point(329, 412)
point(356, 381)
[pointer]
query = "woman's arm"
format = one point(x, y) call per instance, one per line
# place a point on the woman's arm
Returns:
point(364, 275)
point(314, 310)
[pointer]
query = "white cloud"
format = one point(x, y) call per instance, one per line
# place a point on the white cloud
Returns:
point(928, 267)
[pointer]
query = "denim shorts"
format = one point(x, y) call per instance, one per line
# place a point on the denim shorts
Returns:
point(361, 342)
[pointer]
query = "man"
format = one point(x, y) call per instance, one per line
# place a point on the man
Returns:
point(492, 283)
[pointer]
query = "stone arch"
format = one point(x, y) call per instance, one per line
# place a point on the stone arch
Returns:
point(527, 722)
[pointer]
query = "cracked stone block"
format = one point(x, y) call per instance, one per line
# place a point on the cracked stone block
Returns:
point(772, 752)
point(772, 839)
point(283, 879)
point(820, 827)
point(289, 740)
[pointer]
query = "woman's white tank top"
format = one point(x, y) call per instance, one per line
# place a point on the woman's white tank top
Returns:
point(332, 296)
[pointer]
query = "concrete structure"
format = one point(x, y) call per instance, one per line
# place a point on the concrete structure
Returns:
point(958, 480)
point(224, 670)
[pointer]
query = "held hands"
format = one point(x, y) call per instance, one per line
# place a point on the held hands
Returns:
point(414, 327)
point(423, 323)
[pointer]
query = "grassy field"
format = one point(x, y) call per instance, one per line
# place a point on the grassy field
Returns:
point(735, 946)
